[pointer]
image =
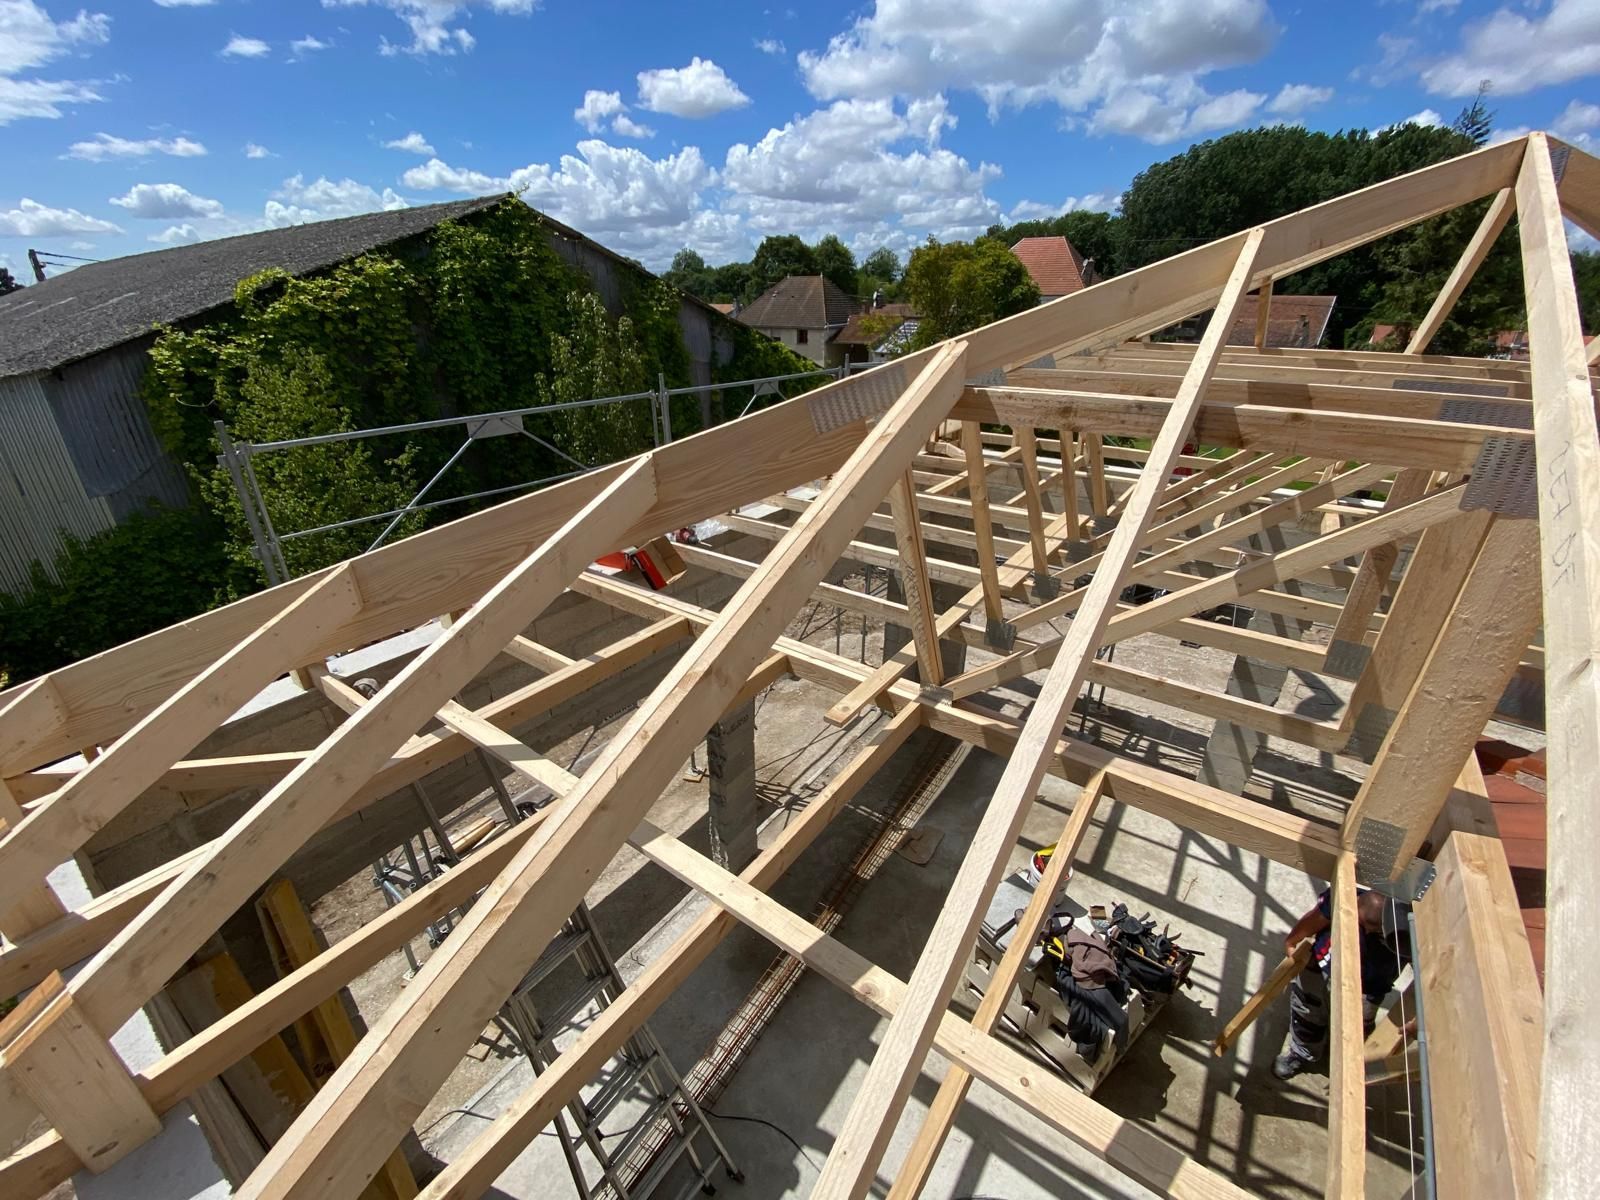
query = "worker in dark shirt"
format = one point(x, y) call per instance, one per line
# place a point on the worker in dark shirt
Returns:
point(1385, 949)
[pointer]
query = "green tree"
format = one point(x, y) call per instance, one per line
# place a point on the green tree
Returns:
point(732, 283)
point(780, 256)
point(600, 356)
point(957, 286)
point(1476, 120)
point(689, 273)
point(1095, 235)
point(882, 264)
point(1586, 275)
point(8, 283)
point(836, 263)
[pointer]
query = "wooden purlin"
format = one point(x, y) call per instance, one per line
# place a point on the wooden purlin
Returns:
point(853, 1163)
point(1568, 464)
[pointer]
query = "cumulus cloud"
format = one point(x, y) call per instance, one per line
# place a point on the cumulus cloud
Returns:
point(1428, 118)
point(106, 146)
point(32, 219)
point(702, 89)
point(253, 150)
point(31, 38)
point(176, 235)
point(412, 143)
point(297, 201)
point(309, 44)
point(1519, 51)
point(1294, 98)
point(166, 201)
point(625, 126)
point(1578, 123)
point(436, 175)
point(245, 47)
point(1123, 68)
point(1032, 210)
point(434, 25)
point(597, 108)
point(771, 46)
point(859, 166)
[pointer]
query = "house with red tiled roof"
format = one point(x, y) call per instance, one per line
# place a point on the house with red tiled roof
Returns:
point(805, 313)
point(1055, 264)
point(1292, 321)
point(867, 332)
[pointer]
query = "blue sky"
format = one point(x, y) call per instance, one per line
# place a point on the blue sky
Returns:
point(127, 125)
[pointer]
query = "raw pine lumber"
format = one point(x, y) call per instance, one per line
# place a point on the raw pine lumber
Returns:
point(913, 568)
point(983, 524)
point(852, 1165)
point(919, 1160)
point(141, 958)
point(1569, 536)
point(353, 1123)
point(1347, 1073)
point(1282, 976)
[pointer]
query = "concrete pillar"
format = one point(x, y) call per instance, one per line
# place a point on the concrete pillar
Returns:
point(1231, 750)
point(735, 810)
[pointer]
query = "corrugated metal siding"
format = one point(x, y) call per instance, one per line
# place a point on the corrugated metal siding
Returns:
point(40, 492)
point(107, 432)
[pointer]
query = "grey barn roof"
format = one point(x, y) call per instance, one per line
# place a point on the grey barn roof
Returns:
point(103, 304)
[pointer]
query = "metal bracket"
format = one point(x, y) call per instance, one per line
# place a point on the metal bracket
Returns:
point(491, 427)
point(1045, 585)
point(1505, 478)
point(1078, 551)
point(870, 394)
point(1002, 635)
point(1507, 413)
point(995, 377)
point(1346, 659)
point(1409, 886)
point(1377, 848)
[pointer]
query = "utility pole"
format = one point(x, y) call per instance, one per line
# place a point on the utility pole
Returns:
point(38, 267)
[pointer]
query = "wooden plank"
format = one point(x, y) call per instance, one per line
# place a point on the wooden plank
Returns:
point(506, 748)
point(31, 907)
point(914, 1169)
point(358, 1117)
point(1347, 1075)
point(1398, 441)
point(983, 524)
point(472, 1172)
point(1142, 1155)
point(64, 822)
point(1094, 469)
point(913, 570)
point(1263, 314)
point(1569, 535)
point(851, 1167)
point(69, 1070)
point(525, 649)
point(1068, 450)
point(1027, 443)
point(143, 956)
point(1478, 247)
point(1484, 1024)
point(1377, 565)
point(1456, 693)
point(1281, 977)
point(31, 714)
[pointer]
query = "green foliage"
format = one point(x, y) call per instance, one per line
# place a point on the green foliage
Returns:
point(883, 264)
point(155, 568)
point(836, 263)
point(957, 286)
point(778, 257)
point(1586, 274)
point(1476, 122)
point(478, 316)
point(756, 356)
point(8, 282)
point(689, 273)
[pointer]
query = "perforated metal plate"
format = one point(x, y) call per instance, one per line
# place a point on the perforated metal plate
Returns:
point(1371, 727)
point(1346, 659)
point(1045, 362)
point(870, 394)
point(1002, 635)
point(1507, 413)
point(1560, 152)
point(1504, 479)
point(1457, 387)
point(1377, 848)
point(992, 378)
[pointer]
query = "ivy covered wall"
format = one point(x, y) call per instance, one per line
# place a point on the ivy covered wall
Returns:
point(479, 315)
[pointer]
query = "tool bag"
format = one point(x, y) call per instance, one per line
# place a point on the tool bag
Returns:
point(1151, 962)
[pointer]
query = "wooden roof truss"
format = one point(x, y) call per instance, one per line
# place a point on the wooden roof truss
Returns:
point(1498, 493)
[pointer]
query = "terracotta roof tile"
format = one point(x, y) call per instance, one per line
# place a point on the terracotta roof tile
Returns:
point(1054, 263)
point(799, 302)
point(1292, 321)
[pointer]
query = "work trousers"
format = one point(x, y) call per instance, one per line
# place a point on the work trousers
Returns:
point(1308, 1015)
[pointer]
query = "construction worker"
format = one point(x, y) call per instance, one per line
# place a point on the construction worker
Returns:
point(1385, 949)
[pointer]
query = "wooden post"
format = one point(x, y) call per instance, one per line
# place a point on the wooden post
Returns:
point(1263, 314)
point(1483, 240)
point(914, 578)
point(983, 528)
point(1347, 1073)
point(33, 907)
point(1028, 442)
point(68, 1068)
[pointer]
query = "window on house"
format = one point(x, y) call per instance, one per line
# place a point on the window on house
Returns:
point(800, 336)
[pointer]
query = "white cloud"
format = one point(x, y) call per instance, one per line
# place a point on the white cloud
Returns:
point(1032, 210)
point(626, 126)
point(176, 235)
point(438, 176)
point(309, 44)
point(32, 219)
point(1578, 123)
point(30, 38)
point(1519, 52)
point(839, 170)
point(1124, 68)
point(771, 46)
point(185, 3)
point(106, 146)
point(412, 143)
point(245, 47)
point(597, 107)
point(432, 23)
point(253, 150)
point(1428, 6)
point(1226, 111)
point(166, 201)
point(1294, 98)
point(297, 201)
point(702, 89)
point(1428, 118)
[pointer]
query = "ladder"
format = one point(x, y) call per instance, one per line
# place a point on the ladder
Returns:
point(575, 978)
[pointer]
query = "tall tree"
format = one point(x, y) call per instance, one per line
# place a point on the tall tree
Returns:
point(689, 273)
point(1586, 274)
point(778, 257)
point(1095, 235)
point(957, 286)
point(1476, 120)
point(836, 263)
point(882, 264)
